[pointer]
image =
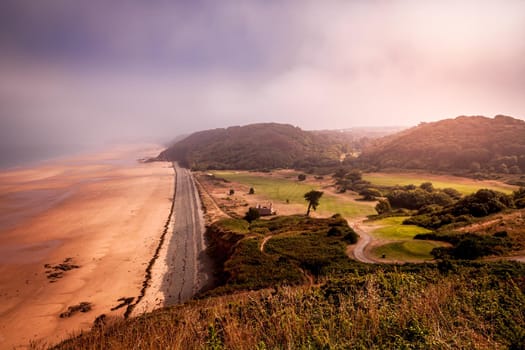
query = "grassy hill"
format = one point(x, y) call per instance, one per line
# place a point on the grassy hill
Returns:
point(292, 287)
point(465, 143)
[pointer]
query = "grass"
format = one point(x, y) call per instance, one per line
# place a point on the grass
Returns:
point(475, 307)
point(393, 229)
point(463, 185)
point(300, 247)
point(407, 250)
point(281, 190)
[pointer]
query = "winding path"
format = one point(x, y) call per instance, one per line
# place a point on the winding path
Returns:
point(263, 243)
point(362, 243)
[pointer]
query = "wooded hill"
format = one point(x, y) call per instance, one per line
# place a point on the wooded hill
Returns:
point(464, 144)
point(257, 146)
point(470, 144)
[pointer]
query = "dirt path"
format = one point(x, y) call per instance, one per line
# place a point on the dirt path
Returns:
point(263, 243)
point(358, 251)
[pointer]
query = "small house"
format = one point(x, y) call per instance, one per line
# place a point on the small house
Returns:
point(265, 210)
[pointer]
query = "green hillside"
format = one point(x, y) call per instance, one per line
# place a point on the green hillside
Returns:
point(474, 144)
point(259, 146)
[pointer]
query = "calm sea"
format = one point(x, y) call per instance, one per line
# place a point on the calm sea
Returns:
point(24, 155)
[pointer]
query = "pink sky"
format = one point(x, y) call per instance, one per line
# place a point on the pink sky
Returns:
point(94, 72)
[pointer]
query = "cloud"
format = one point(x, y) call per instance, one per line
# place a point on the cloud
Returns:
point(97, 71)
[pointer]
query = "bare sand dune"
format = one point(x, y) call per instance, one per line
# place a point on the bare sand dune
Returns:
point(102, 212)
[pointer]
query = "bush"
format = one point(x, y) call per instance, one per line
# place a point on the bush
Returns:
point(370, 194)
point(383, 206)
point(469, 246)
point(351, 237)
point(251, 215)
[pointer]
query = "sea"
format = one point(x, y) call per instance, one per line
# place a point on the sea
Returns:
point(12, 156)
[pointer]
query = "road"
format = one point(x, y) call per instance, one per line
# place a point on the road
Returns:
point(186, 258)
point(362, 243)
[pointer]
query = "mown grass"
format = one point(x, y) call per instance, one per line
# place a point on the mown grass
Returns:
point(396, 179)
point(406, 250)
point(466, 307)
point(393, 229)
point(280, 190)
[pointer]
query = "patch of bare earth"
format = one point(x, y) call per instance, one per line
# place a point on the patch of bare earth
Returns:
point(513, 223)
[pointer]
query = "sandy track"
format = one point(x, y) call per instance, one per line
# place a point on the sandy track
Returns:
point(359, 248)
point(263, 243)
point(106, 211)
point(182, 267)
point(187, 272)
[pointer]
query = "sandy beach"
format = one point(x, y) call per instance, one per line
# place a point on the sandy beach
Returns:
point(101, 212)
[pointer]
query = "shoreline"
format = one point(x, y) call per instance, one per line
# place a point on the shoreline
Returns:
point(180, 268)
point(102, 212)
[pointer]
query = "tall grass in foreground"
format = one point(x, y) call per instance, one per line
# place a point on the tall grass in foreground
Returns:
point(386, 310)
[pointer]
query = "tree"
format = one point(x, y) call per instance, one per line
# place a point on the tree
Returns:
point(383, 206)
point(232, 192)
point(312, 198)
point(370, 194)
point(251, 215)
point(301, 177)
point(252, 191)
point(427, 186)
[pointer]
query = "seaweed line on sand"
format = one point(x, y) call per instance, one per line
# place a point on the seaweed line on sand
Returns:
point(147, 277)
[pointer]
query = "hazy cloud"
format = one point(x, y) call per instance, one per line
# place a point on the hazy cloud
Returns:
point(97, 71)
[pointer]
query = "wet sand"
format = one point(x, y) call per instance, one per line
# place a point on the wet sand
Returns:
point(106, 211)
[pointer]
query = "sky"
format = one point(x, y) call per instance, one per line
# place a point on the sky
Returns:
point(92, 72)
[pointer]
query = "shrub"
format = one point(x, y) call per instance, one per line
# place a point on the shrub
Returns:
point(251, 215)
point(383, 206)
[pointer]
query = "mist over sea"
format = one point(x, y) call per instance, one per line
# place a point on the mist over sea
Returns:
point(26, 155)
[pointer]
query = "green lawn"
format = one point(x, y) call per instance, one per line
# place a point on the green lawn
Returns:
point(393, 229)
point(463, 185)
point(406, 250)
point(279, 190)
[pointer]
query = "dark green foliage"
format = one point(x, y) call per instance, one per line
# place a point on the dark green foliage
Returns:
point(346, 179)
point(251, 215)
point(232, 192)
point(297, 244)
point(312, 198)
point(452, 193)
point(417, 198)
point(256, 146)
point(519, 197)
point(464, 144)
point(469, 246)
point(370, 194)
point(383, 206)
point(301, 177)
point(482, 203)
point(427, 186)
point(351, 237)
point(251, 191)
